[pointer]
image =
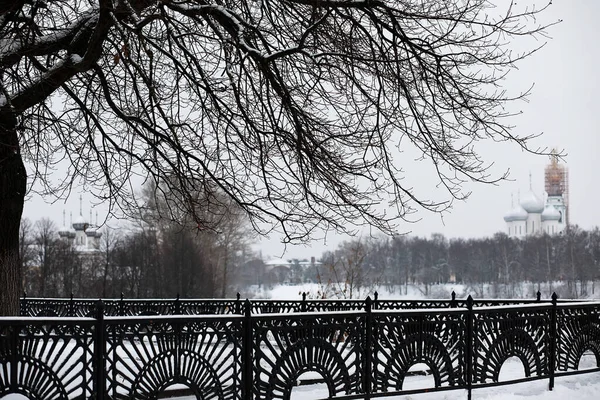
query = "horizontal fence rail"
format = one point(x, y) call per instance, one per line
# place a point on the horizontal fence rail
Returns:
point(78, 307)
point(234, 349)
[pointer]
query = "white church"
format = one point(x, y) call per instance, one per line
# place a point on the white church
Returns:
point(533, 216)
point(550, 215)
point(84, 236)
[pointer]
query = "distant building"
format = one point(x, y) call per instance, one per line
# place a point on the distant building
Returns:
point(534, 216)
point(84, 236)
point(289, 271)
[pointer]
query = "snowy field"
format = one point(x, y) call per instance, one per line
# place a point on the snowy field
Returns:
point(523, 290)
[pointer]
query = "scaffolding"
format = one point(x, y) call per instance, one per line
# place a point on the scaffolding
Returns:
point(556, 177)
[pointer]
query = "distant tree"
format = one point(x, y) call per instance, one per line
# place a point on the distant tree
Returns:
point(45, 235)
point(458, 256)
point(292, 109)
point(593, 248)
point(400, 261)
point(108, 243)
point(345, 274)
point(198, 262)
point(572, 258)
point(132, 263)
point(27, 254)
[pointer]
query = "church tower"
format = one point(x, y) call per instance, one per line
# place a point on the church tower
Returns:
point(556, 179)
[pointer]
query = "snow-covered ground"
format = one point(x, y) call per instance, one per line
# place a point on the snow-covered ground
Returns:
point(574, 387)
point(522, 290)
point(582, 387)
point(294, 292)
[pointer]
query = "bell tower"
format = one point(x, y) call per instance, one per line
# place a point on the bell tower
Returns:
point(556, 179)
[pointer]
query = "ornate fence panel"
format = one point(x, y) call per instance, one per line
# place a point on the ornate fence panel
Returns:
point(284, 347)
point(402, 339)
point(47, 359)
point(578, 331)
point(513, 331)
point(144, 357)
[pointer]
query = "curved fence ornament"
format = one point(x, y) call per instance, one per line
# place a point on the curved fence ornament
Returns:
point(284, 349)
point(578, 329)
point(48, 358)
point(502, 333)
point(240, 350)
point(146, 356)
point(432, 338)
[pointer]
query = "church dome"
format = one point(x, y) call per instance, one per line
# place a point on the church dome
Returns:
point(550, 214)
point(516, 214)
point(64, 232)
point(80, 224)
point(532, 204)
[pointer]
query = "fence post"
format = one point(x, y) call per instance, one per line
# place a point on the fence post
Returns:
point(99, 382)
point(122, 306)
point(368, 354)
point(247, 352)
point(553, 335)
point(375, 301)
point(71, 307)
point(238, 305)
point(469, 349)
point(303, 304)
point(177, 308)
point(23, 309)
point(538, 296)
point(13, 360)
point(453, 300)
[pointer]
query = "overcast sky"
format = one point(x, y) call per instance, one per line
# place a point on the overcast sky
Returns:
point(564, 106)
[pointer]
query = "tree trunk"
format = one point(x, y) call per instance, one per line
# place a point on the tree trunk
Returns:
point(13, 182)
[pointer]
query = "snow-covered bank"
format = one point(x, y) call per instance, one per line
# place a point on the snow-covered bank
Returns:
point(314, 290)
point(522, 290)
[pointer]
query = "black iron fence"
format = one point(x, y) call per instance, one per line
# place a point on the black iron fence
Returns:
point(259, 349)
point(73, 307)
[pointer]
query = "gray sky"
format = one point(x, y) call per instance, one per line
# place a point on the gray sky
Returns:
point(564, 106)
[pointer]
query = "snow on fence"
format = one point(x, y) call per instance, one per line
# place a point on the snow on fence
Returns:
point(233, 349)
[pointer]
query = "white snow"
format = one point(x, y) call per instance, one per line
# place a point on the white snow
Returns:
point(580, 387)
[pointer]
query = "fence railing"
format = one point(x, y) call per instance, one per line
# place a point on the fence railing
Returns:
point(253, 350)
point(80, 307)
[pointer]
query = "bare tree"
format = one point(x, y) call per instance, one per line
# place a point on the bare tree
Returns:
point(292, 109)
point(347, 273)
point(202, 260)
point(27, 254)
point(110, 239)
point(45, 235)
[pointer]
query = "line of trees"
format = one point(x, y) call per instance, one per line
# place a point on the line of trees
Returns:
point(166, 258)
point(159, 254)
point(494, 266)
point(134, 261)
